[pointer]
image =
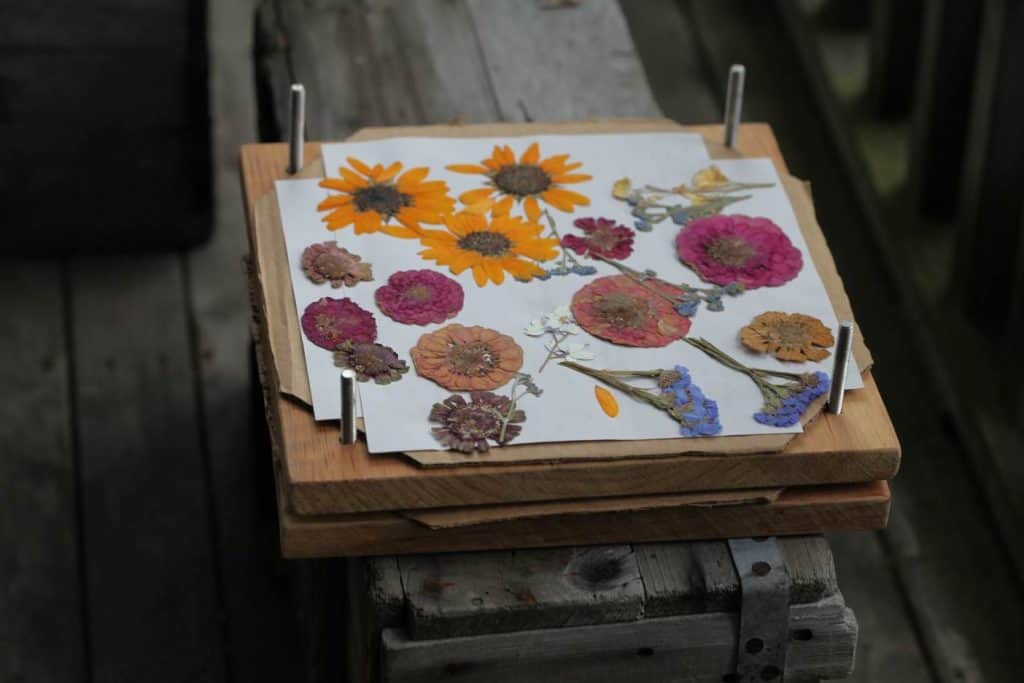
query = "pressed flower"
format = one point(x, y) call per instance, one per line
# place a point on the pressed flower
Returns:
point(675, 395)
point(467, 426)
point(559, 325)
point(602, 237)
point(529, 179)
point(379, 199)
point(684, 298)
point(786, 395)
point(371, 361)
point(754, 252)
point(489, 248)
point(329, 322)
point(607, 401)
point(788, 336)
point(622, 311)
point(420, 297)
point(467, 358)
point(327, 262)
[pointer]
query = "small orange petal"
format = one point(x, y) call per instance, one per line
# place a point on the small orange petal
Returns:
point(389, 172)
point(607, 401)
point(359, 166)
point(531, 208)
point(476, 196)
point(367, 221)
point(480, 275)
point(467, 168)
point(571, 178)
point(412, 177)
point(531, 156)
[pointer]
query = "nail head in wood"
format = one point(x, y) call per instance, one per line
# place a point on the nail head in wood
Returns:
point(296, 127)
point(734, 103)
point(844, 344)
point(348, 407)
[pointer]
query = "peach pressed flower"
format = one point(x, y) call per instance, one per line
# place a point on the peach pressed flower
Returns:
point(489, 247)
point(529, 180)
point(619, 310)
point(788, 336)
point(379, 199)
point(467, 358)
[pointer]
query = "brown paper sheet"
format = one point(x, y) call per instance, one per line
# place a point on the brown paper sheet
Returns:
point(447, 518)
point(286, 342)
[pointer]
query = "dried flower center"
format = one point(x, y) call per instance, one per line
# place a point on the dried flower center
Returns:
point(730, 251)
point(486, 242)
point(333, 265)
point(788, 332)
point(366, 359)
point(474, 421)
point(604, 238)
point(474, 359)
point(622, 310)
point(418, 293)
point(384, 199)
point(522, 179)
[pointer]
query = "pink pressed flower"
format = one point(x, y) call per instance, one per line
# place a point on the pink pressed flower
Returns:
point(626, 312)
point(329, 322)
point(420, 297)
point(603, 238)
point(751, 251)
point(327, 262)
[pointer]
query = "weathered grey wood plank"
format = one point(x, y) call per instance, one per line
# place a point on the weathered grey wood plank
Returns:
point(691, 649)
point(689, 578)
point(41, 636)
point(572, 63)
point(667, 46)
point(887, 647)
point(376, 602)
point(493, 592)
point(154, 613)
point(261, 625)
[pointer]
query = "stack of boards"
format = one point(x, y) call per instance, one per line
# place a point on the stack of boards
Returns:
point(339, 499)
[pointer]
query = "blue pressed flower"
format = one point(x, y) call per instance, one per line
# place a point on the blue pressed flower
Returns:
point(584, 270)
point(715, 304)
point(643, 226)
point(687, 309)
point(734, 289)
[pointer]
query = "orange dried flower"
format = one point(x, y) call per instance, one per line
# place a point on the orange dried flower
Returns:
point(463, 358)
point(788, 336)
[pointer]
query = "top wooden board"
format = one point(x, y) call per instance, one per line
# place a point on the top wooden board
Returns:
point(324, 477)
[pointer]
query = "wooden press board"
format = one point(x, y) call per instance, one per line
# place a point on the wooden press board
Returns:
point(319, 476)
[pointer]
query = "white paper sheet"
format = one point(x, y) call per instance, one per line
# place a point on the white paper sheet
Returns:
point(396, 414)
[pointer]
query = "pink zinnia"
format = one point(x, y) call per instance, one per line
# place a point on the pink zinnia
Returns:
point(625, 312)
point(603, 238)
point(751, 251)
point(329, 322)
point(420, 297)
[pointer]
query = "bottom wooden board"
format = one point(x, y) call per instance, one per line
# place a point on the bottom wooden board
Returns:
point(799, 510)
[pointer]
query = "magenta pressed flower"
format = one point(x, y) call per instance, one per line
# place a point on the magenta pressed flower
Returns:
point(371, 361)
point(420, 297)
point(751, 251)
point(327, 262)
point(329, 322)
point(466, 426)
point(602, 238)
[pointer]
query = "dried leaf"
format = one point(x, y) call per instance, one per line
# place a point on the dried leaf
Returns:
point(607, 401)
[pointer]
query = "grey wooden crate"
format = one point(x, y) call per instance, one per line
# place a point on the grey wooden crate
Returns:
point(654, 612)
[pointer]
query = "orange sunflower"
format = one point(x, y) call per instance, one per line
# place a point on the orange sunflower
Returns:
point(375, 199)
point(490, 247)
point(528, 180)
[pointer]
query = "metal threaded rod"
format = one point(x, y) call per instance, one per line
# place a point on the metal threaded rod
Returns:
point(296, 128)
point(734, 103)
point(348, 407)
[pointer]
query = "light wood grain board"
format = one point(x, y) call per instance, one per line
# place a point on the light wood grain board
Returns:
point(851, 507)
point(323, 477)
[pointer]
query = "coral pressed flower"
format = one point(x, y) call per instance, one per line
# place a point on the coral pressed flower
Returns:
point(420, 297)
point(329, 322)
point(467, 426)
point(327, 262)
point(623, 311)
point(754, 252)
point(371, 361)
point(379, 199)
point(490, 248)
point(788, 336)
point(467, 358)
point(530, 180)
point(602, 237)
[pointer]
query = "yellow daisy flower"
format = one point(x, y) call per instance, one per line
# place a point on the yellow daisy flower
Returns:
point(375, 199)
point(490, 248)
point(528, 180)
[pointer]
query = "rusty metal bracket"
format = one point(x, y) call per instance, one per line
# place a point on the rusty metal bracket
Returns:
point(764, 610)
